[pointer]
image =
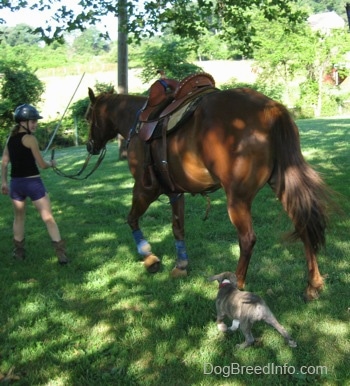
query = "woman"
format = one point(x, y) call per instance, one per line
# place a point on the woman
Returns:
point(22, 151)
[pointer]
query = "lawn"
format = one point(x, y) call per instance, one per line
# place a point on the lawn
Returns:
point(102, 320)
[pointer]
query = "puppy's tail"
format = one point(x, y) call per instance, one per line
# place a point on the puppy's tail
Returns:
point(272, 321)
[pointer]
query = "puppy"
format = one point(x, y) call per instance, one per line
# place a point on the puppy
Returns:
point(244, 308)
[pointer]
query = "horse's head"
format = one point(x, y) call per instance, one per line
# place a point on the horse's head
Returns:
point(96, 115)
point(110, 114)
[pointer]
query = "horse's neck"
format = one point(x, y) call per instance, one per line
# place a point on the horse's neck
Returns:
point(129, 112)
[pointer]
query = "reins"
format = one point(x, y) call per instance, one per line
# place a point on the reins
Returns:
point(78, 176)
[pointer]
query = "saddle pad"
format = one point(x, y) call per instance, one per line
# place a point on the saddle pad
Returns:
point(177, 115)
point(187, 109)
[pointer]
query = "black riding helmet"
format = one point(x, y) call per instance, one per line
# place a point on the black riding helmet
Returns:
point(26, 113)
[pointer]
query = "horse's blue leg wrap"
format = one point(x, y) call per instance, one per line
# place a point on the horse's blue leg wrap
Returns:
point(182, 257)
point(143, 247)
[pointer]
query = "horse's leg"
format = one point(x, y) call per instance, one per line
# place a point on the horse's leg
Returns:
point(178, 220)
point(240, 215)
point(141, 200)
point(315, 279)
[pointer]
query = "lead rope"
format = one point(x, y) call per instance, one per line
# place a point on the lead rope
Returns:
point(77, 175)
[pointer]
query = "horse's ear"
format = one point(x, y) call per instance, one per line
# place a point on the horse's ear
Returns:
point(91, 95)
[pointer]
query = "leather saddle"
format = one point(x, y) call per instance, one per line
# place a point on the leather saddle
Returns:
point(162, 104)
point(157, 119)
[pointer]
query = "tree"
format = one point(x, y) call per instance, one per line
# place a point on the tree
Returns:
point(317, 6)
point(290, 54)
point(300, 60)
point(20, 34)
point(90, 42)
point(168, 54)
point(184, 17)
point(232, 19)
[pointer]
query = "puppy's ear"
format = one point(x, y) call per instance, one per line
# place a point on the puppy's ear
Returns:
point(233, 279)
point(216, 277)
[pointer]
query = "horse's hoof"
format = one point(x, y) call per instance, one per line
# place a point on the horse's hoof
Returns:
point(310, 294)
point(177, 272)
point(314, 288)
point(152, 263)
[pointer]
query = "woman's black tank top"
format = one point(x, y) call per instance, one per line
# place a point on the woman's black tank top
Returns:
point(22, 160)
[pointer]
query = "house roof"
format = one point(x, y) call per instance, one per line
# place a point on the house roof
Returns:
point(326, 21)
point(345, 85)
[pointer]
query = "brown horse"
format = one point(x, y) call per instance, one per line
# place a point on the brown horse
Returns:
point(237, 140)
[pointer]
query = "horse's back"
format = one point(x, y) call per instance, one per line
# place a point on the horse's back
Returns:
point(242, 102)
point(227, 142)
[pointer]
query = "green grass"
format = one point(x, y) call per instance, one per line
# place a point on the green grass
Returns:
point(102, 320)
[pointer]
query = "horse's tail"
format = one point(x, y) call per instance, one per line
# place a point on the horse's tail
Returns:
point(300, 188)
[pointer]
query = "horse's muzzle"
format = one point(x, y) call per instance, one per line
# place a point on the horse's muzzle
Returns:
point(91, 148)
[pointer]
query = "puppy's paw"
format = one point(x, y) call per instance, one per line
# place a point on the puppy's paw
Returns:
point(244, 345)
point(222, 327)
point(292, 343)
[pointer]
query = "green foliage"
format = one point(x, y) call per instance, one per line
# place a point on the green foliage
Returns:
point(272, 90)
point(170, 55)
point(36, 56)
point(301, 56)
point(79, 108)
point(280, 54)
point(333, 100)
point(18, 85)
point(317, 6)
point(48, 57)
point(76, 122)
point(21, 34)
point(210, 47)
point(90, 42)
point(65, 136)
point(187, 19)
point(23, 45)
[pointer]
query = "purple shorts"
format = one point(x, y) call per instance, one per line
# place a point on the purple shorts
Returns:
point(23, 187)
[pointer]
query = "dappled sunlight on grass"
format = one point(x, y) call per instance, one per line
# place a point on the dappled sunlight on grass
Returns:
point(100, 236)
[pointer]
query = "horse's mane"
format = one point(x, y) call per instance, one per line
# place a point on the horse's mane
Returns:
point(112, 97)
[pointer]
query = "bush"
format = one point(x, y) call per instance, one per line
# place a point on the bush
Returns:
point(274, 91)
point(18, 85)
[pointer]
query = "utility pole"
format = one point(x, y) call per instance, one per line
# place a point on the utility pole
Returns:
point(122, 47)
